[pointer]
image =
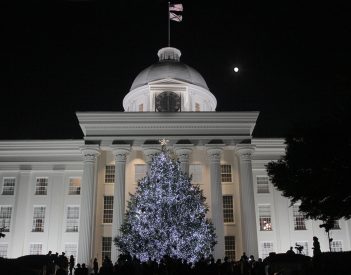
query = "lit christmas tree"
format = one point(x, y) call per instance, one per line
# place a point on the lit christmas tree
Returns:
point(166, 216)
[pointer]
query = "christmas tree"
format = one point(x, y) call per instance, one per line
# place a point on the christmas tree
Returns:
point(166, 216)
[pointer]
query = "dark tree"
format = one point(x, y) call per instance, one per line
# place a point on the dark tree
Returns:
point(315, 170)
point(2, 229)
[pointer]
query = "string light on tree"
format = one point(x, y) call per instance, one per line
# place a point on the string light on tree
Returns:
point(166, 215)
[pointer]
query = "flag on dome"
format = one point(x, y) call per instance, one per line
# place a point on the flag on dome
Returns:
point(175, 17)
point(176, 7)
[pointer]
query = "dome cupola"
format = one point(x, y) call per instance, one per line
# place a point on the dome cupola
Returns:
point(181, 86)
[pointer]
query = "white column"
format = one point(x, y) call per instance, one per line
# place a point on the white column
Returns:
point(150, 151)
point(183, 152)
point(21, 212)
point(121, 152)
point(248, 213)
point(85, 243)
point(214, 154)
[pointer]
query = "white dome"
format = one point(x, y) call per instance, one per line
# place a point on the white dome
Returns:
point(170, 75)
point(169, 67)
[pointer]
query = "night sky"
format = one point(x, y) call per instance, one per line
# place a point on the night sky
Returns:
point(67, 56)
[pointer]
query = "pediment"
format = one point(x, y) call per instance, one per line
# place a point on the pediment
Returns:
point(167, 81)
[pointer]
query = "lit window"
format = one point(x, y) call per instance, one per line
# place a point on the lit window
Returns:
point(110, 174)
point(299, 219)
point(72, 220)
point(3, 250)
point(38, 219)
point(229, 247)
point(264, 213)
point(71, 249)
point(336, 246)
point(74, 186)
point(262, 185)
point(108, 209)
point(5, 218)
point(106, 247)
point(195, 171)
point(35, 248)
point(140, 171)
point(304, 246)
point(9, 186)
point(41, 187)
point(266, 248)
point(141, 107)
point(226, 173)
point(228, 211)
point(197, 107)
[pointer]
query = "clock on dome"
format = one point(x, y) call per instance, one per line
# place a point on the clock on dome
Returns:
point(168, 102)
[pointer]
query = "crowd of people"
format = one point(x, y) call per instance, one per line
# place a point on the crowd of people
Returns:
point(127, 265)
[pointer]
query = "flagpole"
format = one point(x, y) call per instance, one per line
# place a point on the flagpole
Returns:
point(169, 26)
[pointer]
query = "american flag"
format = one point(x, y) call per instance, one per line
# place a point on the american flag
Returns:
point(175, 17)
point(176, 7)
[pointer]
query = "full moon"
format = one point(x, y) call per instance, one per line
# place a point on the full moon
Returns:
point(236, 69)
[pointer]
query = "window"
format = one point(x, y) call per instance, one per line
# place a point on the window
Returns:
point(305, 247)
point(41, 187)
point(262, 185)
point(141, 107)
point(106, 247)
point(195, 170)
point(3, 250)
point(108, 209)
point(110, 174)
point(74, 186)
point(71, 249)
point(72, 221)
point(140, 171)
point(299, 219)
point(35, 248)
point(229, 247)
point(336, 246)
point(5, 218)
point(266, 248)
point(264, 213)
point(9, 186)
point(228, 212)
point(197, 107)
point(38, 219)
point(336, 225)
point(226, 173)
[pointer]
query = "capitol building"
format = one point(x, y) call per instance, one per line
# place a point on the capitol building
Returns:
point(70, 195)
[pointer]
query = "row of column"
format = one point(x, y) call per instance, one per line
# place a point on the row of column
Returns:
point(214, 152)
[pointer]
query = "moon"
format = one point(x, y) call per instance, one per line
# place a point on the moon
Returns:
point(236, 69)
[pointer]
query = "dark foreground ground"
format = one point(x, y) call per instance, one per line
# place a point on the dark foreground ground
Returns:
point(328, 263)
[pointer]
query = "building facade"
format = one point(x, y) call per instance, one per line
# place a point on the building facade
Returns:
point(70, 195)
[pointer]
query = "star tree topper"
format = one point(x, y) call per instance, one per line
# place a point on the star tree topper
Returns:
point(163, 143)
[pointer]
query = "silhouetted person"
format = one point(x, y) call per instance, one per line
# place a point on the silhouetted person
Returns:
point(50, 266)
point(316, 247)
point(244, 265)
point(71, 264)
point(84, 270)
point(78, 270)
point(96, 266)
point(226, 267)
point(62, 261)
point(290, 251)
point(258, 267)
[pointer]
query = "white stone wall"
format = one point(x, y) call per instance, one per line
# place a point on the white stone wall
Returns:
point(23, 201)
